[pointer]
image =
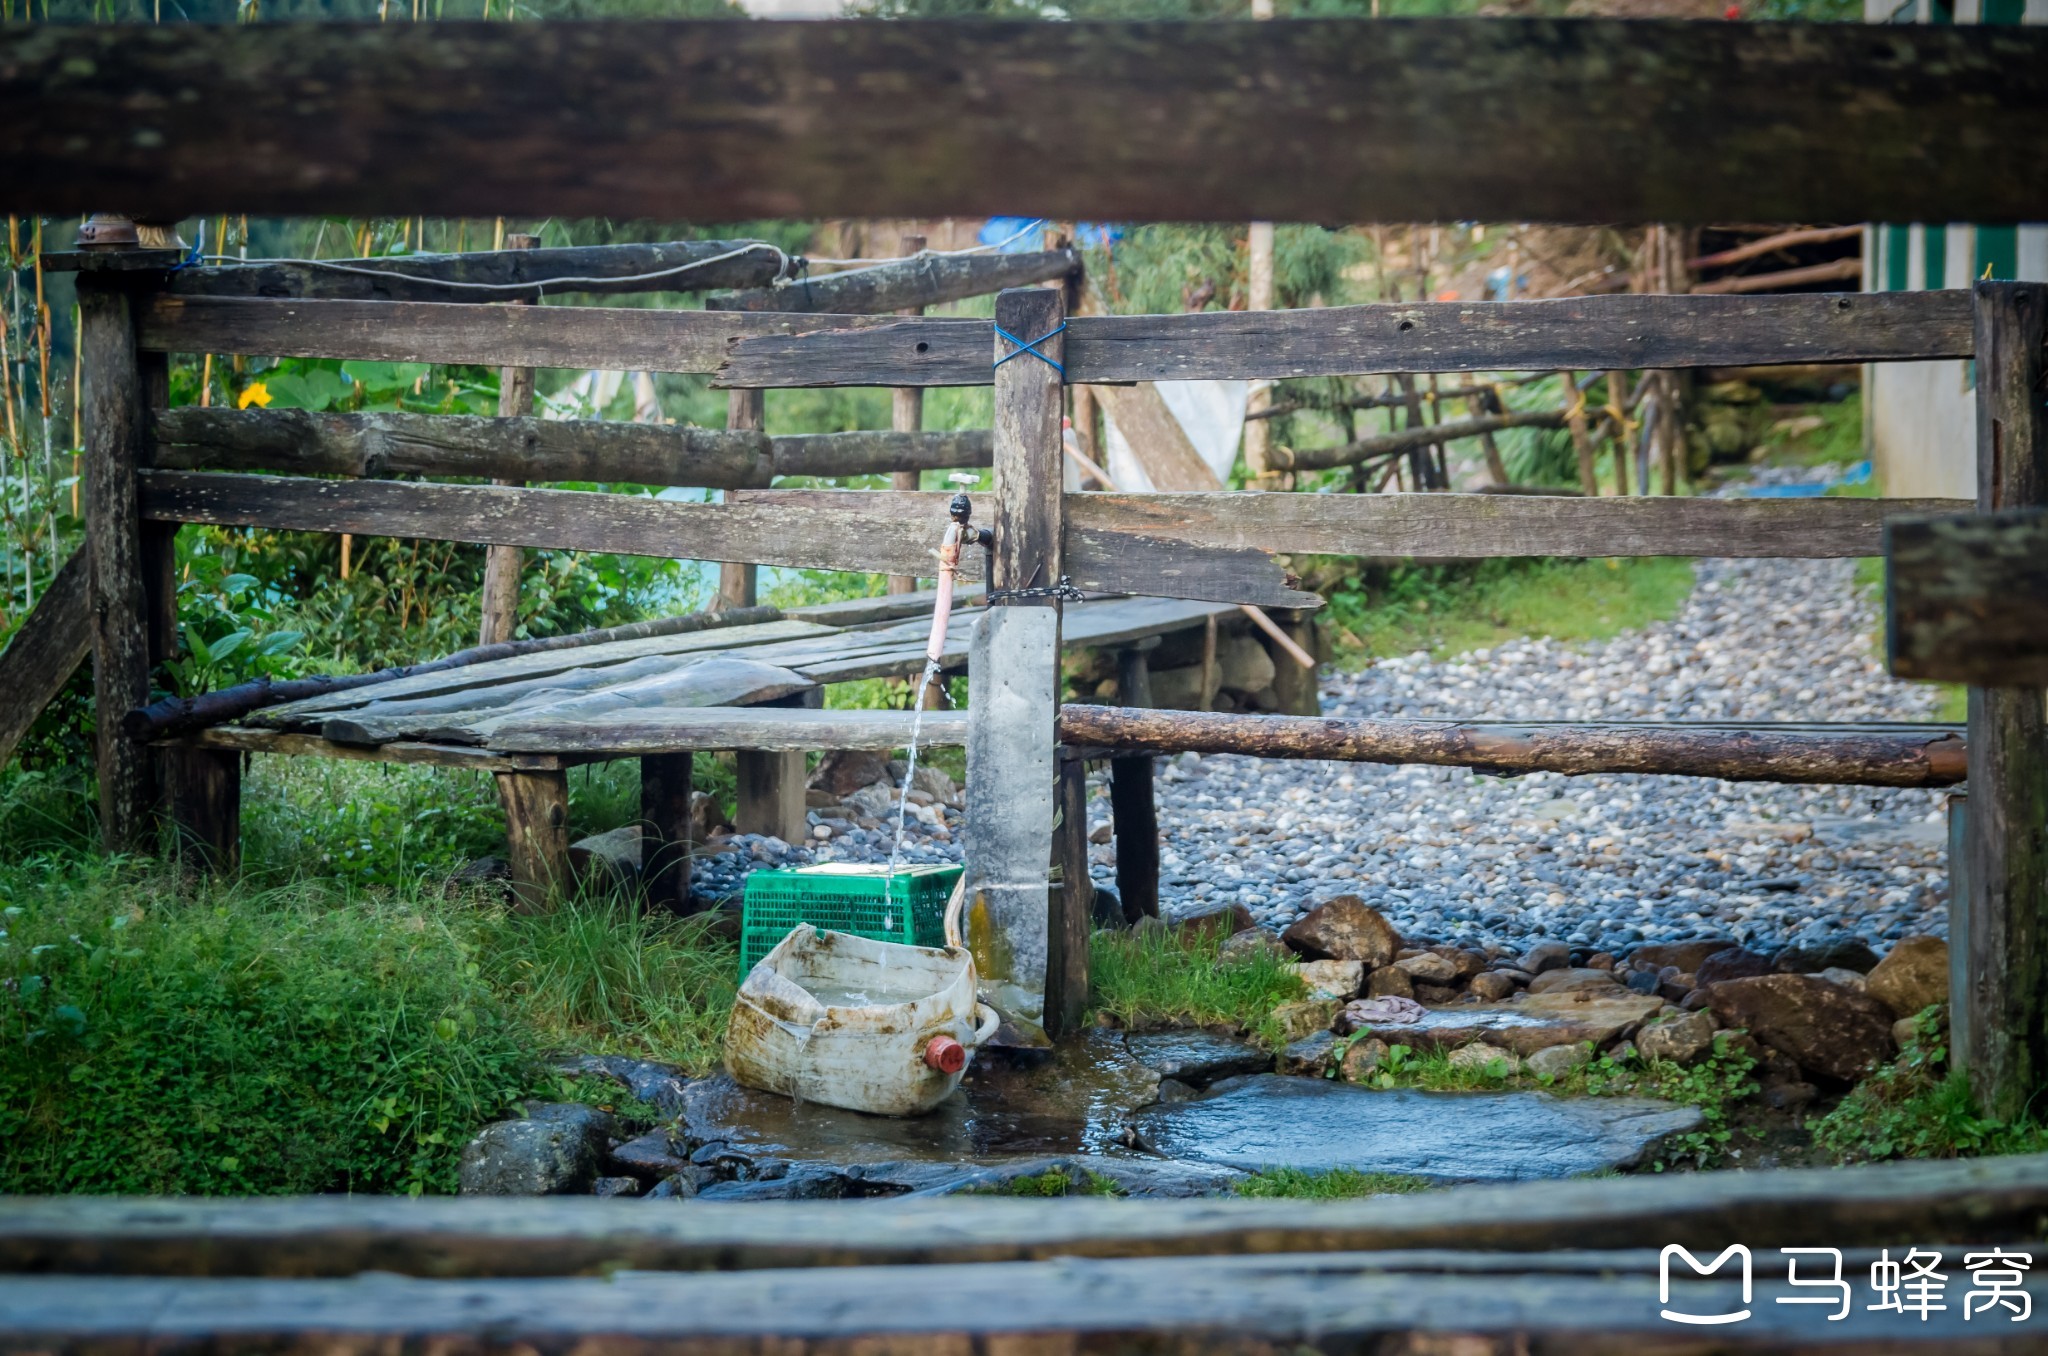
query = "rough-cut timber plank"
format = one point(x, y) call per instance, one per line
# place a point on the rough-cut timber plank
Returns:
point(2006, 997)
point(876, 453)
point(1872, 1205)
point(1402, 440)
point(397, 443)
point(1604, 333)
point(1966, 598)
point(1602, 1302)
point(544, 272)
point(1465, 526)
point(1756, 754)
point(45, 650)
point(609, 337)
point(825, 539)
point(768, 729)
point(925, 280)
point(1100, 559)
point(1422, 120)
point(310, 746)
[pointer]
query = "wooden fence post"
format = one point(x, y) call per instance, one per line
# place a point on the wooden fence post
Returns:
point(739, 581)
point(114, 432)
point(204, 790)
point(2006, 1001)
point(665, 829)
point(1072, 911)
point(1133, 812)
point(536, 835)
point(1014, 678)
point(906, 415)
point(770, 790)
point(502, 563)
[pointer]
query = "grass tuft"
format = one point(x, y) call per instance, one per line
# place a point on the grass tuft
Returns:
point(1177, 976)
point(1338, 1184)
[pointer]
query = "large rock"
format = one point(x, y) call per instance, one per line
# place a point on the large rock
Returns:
point(1575, 981)
point(1824, 1027)
point(1814, 951)
point(1196, 1057)
point(1686, 956)
point(1310, 1056)
point(1545, 956)
point(1320, 1124)
point(1734, 963)
point(1246, 944)
point(1678, 1040)
point(1223, 923)
point(1523, 1028)
point(552, 1151)
point(1338, 979)
point(1913, 976)
point(1345, 928)
point(845, 771)
point(1389, 981)
point(660, 1085)
point(1429, 968)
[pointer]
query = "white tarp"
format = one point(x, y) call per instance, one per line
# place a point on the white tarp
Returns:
point(1210, 412)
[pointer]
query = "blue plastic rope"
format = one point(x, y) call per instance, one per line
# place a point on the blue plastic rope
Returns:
point(1032, 348)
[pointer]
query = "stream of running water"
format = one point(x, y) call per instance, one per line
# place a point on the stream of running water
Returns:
point(924, 682)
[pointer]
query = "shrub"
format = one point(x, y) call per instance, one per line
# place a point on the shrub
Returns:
point(300, 1039)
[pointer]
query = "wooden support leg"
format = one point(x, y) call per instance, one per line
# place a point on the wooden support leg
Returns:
point(204, 789)
point(1294, 687)
point(502, 564)
point(665, 830)
point(1072, 906)
point(771, 785)
point(738, 582)
point(2006, 1000)
point(536, 835)
point(1133, 814)
point(1959, 1036)
point(114, 423)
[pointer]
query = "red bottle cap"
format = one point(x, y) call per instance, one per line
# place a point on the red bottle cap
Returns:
point(946, 1055)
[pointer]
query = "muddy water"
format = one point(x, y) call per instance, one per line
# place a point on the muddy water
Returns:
point(1078, 1099)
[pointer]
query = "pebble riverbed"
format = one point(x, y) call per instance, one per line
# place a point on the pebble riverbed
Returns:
point(1601, 862)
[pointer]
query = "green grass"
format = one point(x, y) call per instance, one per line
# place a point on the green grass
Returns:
point(1054, 1182)
point(1447, 610)
point(1839, 439)
point(159, 1037)
point(1338, 1184)
point(1163, 976)
point(1917, 1107)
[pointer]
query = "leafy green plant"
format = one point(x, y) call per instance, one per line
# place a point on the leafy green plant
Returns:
point(1917, 1107)
point(1713, 1085)
point(1336, 1184)
point(1056, 1182)
point(1160, 976)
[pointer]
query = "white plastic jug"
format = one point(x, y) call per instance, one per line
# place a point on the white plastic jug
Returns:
point(870, 1026)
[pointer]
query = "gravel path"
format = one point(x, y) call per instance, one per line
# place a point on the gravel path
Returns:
point(1595, 861)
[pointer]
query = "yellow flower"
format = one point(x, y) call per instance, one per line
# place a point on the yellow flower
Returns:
point(255, 393)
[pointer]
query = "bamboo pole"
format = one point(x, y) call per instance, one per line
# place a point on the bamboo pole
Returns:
point(502, 563)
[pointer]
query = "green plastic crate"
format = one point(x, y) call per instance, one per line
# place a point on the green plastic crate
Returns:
point(845, 897)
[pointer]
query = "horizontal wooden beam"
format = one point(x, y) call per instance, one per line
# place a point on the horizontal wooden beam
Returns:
point(1966, 598)
point(1401, 440)
point(240, 740)
point(760, 729)
point(1335, 120)
point(1475, 526)
point(610, 338)
point(380, 443)
point(1758, 754)
point(1872, 1205)
point(924, 280)
point(771, 350)
point(478, 276)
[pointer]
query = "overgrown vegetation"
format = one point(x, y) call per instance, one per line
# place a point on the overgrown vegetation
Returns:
point(1178, 976)
point(1917, 1107)
point(1055, 1182)
point(1335, 1185)
point(156, 1038)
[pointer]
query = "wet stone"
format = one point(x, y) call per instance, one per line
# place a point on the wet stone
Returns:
point(1524, 1027)
point(1318, 1125)
point(1196, 1057)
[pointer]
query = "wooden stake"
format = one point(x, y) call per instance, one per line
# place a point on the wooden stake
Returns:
point(204, 789)
point(739, 581)
point(536, 836)
point(1073, 905)
point(113, 450)
point(2006, 999)
point(771, 785)
point(1133, 811)
point(1617, 407)
point(502, 563)
point(665, 830)
point(906, 415)
point(1582, 441)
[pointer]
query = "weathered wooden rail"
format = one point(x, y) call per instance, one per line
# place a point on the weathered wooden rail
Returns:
point(1539, 1267)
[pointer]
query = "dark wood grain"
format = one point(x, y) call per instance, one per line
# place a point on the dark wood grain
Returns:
point(383, 443)
point(114, 440)
point(1133, 810)
point(763, 729)
point(1966, 598)
point(927, 280)
point(1470, 526)
point(1628, 331)
point(2007, 962)
point(536, 808)
point(1756, 755)
point(1338, 120)
point(665, 824)
point(868, 453)
point(1403, 440)
point(203, 792)
point(1028, 401)
point(612, 338)
point(45, 650)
